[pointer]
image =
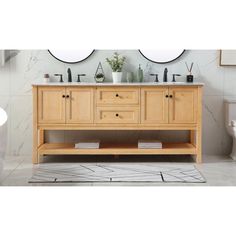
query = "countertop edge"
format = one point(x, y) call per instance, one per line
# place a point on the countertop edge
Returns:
point(116, 85)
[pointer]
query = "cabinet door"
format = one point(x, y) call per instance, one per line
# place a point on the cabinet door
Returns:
point(79, 105)
point(51, 105)
point(182, 105)
point(154, 105)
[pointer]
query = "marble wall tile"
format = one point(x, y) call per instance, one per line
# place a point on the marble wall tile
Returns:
point(5, 104)
point(30, 65)
point(213, 125)
point(5, 79)
point(21, 125)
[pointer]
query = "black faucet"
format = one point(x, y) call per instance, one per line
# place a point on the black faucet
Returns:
point(165, 78)
point(79, 77)
point(69, 75)
point(156, 75)
point(173, 80)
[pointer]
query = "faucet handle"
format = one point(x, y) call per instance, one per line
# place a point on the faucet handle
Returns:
point(156, 80)
point(173, 80)
point(78, 80)
point(61, 80)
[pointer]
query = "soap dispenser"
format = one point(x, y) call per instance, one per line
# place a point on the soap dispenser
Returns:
point(140, 74)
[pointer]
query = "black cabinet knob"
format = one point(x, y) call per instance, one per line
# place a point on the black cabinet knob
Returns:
point(117, 95)
point(67, 96)
point(63, 96)
point(167, 96)
point(117, 114)
point(171, 96)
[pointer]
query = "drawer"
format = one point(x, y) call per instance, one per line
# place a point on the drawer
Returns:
point(117, 115)
point(117, 96)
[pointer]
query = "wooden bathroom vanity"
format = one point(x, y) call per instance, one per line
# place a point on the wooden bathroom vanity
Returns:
point(125, 106)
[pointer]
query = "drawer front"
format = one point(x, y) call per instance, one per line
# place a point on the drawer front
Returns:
point(117, 96)
point(117, 115)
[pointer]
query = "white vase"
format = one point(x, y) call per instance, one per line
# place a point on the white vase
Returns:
point(117, 76)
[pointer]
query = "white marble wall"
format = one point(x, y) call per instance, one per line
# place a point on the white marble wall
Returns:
point(30, 65)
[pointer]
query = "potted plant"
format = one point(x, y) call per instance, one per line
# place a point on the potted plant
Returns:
point(116, 63)
point(99, 77)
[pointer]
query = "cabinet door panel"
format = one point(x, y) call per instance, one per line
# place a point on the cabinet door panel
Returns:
point(79, 105)
point(51, 105)
point(183, 105)
point(154, 105)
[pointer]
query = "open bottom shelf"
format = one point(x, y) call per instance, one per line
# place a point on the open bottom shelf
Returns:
point(116, 149)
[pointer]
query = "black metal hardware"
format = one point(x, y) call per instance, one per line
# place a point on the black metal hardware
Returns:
point(171, 96)
point(167, 96)
point(69, 75)
point(63, 96)
point(156, 79)
point(173, 80)
point(67, 96)
point(165, 77)
point(61, 80)
point(117, 114)
point(78, 80)
point(69, 62)
point(117, 95)
point(162, 62)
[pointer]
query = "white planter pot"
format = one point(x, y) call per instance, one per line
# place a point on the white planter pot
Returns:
point(116, 76)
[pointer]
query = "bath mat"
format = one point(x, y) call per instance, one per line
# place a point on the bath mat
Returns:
point(115, 172)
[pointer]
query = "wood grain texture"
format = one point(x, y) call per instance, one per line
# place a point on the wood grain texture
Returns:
point(117, 115)
point(79, 105)
point(51, 105)
point(116, 149)
point(117, 96)
point(154, 105)
point(35, 128)
point(183, 105)
point(117, 108)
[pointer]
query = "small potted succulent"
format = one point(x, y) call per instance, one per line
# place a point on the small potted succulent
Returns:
point(99, 77)
point(116, 63)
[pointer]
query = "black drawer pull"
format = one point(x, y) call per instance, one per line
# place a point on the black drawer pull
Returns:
point(67, 96)
point(171, 96)
point(63, 96)
point(117, 114)
point(167, 96)
point(117, 95)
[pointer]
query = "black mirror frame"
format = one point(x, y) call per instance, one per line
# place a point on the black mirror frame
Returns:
point(72, 62)
point(161, 62)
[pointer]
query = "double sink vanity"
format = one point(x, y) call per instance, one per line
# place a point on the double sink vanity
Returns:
point(124, 106)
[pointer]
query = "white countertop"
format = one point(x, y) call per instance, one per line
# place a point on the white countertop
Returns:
point(119, 84)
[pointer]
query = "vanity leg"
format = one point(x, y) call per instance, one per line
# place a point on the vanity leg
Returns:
point(35, 127)
point(199, 128)
point(35, 147)
point(41, 141)
point(192, 137)
point(199, 146)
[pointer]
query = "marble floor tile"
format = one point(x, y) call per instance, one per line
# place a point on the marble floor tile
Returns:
point(217, 170)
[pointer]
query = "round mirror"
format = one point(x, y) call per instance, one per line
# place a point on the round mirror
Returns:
point(71, 56)
point(162, 56)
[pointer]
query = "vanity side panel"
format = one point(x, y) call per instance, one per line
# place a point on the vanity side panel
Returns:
point(35, 125)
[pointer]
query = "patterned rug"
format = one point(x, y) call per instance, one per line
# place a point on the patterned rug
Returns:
point(115, 172)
